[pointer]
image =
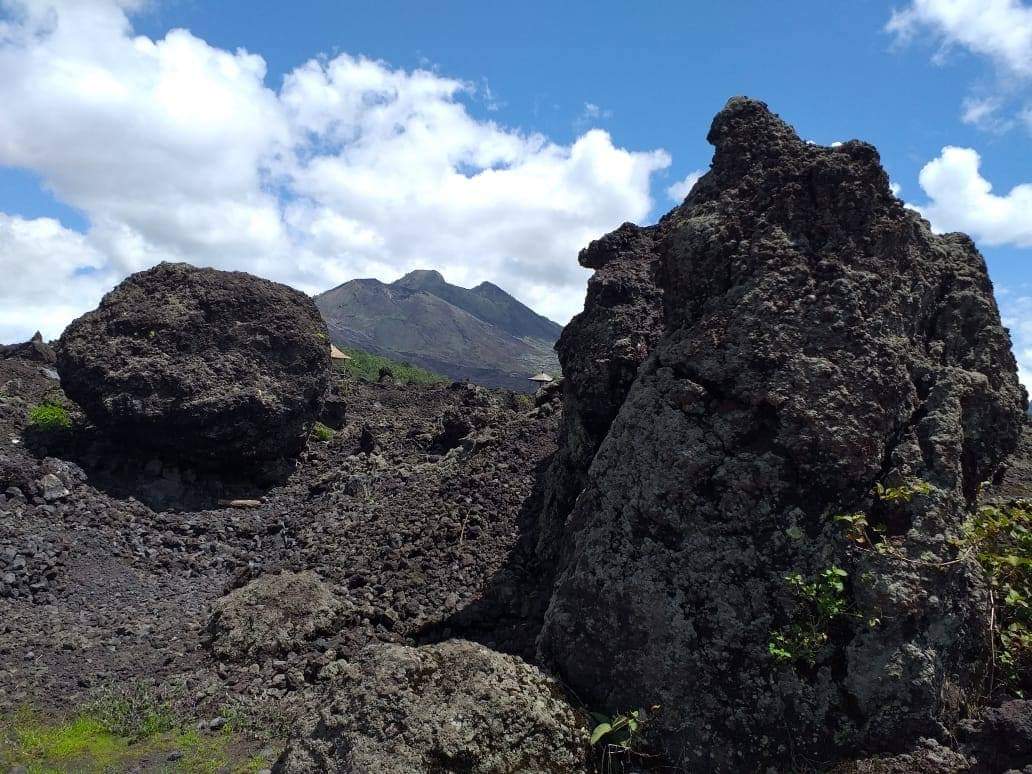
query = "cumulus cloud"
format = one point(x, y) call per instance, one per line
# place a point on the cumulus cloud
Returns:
point(178, 150)
point(679, 190)
point(960, 199)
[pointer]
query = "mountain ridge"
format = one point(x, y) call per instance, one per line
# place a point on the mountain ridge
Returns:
point(483, 333)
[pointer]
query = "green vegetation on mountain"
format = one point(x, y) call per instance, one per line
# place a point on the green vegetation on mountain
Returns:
point(365, 365)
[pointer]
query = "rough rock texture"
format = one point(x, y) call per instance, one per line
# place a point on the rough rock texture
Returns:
point(201, 364)
point(335, 409)
point(1001, 737)
point(817, 339)
point(451, 707)
point(1014, 480)
point(35, 349)
point(272, 615)
point(928, 758)
point(109, 592)
point(600, 352)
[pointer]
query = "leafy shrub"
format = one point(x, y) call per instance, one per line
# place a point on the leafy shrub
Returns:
point(49, 417)
point(1001, 539)
point(819, 601)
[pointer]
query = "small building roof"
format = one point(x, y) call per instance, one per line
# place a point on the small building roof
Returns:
point(541, 377)
point(336, 354)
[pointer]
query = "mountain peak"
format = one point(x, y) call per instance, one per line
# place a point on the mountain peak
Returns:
point(420, 278)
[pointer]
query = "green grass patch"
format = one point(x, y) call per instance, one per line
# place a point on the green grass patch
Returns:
point(49, 417)
point(321, 432)
point(366, 366)
point(119, 732)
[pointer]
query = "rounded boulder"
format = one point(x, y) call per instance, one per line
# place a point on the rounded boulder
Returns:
point(211, 366)
point(451, 707)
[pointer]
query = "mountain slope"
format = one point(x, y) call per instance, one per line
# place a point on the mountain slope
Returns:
point(482, 334)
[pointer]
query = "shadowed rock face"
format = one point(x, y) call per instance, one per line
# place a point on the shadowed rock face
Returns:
point(213, 367)
point(814, 338)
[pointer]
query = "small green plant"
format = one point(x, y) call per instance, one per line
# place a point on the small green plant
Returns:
point(904, 493)
point(620, 735)
point(820, 601)
point(854, 527)
point(1001, 538)
point(322, 433)
point(49, 417)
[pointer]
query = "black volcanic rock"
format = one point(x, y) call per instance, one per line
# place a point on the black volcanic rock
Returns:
point(208, 366)
point(482, 334)
point(807, 337)
point(35, 349)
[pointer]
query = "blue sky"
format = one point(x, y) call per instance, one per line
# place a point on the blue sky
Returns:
point(279, 166)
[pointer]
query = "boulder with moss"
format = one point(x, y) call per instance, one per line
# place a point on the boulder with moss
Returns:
point(273, 615)
point(447, 708)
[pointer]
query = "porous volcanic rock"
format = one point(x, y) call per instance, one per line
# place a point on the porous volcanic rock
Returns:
point(815, 339)
point(272, 615)
point(600, 350)
point(451, 707)
point(208, 366)
point(928, 757)
point(35, 349)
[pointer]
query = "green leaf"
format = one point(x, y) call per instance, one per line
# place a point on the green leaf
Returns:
point(600, 731)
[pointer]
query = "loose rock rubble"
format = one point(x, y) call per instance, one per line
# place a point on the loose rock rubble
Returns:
point(235, 602)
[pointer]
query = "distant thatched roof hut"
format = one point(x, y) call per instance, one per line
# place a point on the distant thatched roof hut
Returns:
point(541, 378)
point(336, 354)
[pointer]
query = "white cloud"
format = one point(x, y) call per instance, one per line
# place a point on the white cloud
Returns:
point(984, 113)
point(679, 190)
point(175, 149)
point(960, 199)
point(896, 188)
point(998, 29)
point(51, 275)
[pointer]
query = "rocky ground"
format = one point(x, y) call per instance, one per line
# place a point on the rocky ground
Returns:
point(98, 589)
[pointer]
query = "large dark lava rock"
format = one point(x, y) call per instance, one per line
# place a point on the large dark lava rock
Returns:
point(210, 366)
point(815, 338)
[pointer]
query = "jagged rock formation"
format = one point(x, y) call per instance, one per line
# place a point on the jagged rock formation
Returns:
point(211, 367)
point(34, 349)
point(453, 707)
point(814, 338)
point(481, 333)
